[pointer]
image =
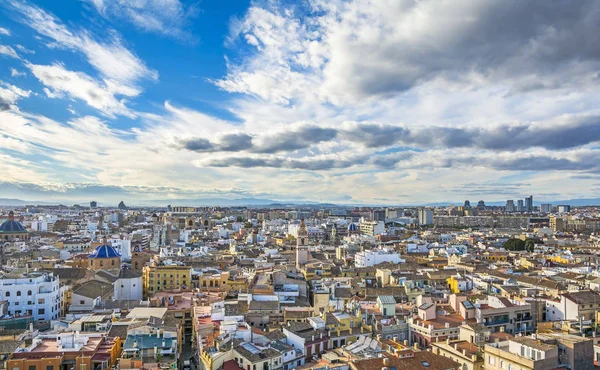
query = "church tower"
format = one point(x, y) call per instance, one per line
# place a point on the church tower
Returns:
point(302, 253)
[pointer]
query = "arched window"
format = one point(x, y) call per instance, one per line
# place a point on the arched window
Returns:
point(18, 293)
point(29, 292)
point(8, 294)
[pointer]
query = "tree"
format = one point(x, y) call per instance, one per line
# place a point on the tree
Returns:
point(514, 244)
point(530, 244)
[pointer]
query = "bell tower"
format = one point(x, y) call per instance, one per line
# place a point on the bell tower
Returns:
point(302, 253)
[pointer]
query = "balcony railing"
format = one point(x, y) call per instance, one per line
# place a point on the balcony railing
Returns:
point(523, 329)
point(496, 322)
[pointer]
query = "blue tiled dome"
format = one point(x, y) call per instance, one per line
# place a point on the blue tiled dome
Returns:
point(11, 226)
point(352, 227)
point(105, 251)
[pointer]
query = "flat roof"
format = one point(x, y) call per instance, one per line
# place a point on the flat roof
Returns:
point(147, 312)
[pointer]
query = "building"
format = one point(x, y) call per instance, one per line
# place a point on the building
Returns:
point(529, 203)
point(93, 204)
point(557, 224)
point(510, 206)
point(574, 306)
point(520, 205)
point(425, 216)
point(249, 356)
point(105, 257)
point(302, 253)
point(35, 294)
point(90, 295)
point(374, 257)
point(499, 314)
point(11, 230)
point(406, 359)
point(520, 353)
point(546, 208)
point(128, 286)
point(157, 278)
point(86, 351)
point(563, 208)
point(461, 351)
point(372, 228)
point(378, 215)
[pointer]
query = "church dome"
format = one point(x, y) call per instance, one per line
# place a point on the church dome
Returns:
point(11, 226)
point(352, 227)
point(105, 251)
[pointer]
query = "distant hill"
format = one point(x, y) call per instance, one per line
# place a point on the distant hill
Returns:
point(269, 203)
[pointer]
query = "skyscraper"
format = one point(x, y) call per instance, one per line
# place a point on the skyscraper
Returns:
point(546, 208)
point(529, 203)
point(425, 216)
point(93, 204)
point(379, 215)
point(520, 206)
point(510, 206)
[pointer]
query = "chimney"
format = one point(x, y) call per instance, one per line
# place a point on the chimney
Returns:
point(448, 341)
point(405, 343)
point(416, 346)
point(386, 361)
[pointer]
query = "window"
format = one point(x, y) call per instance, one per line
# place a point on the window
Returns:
point(41, 301)
point(492, 360)
point(41, 311)
point(29, 292)
point(32, 367)
point(502, 365)
point(8, 294)
point(81, 302)
point(18, 293)
point(49, 367)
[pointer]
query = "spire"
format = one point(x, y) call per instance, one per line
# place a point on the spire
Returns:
point(302, 228)
point(11, 216)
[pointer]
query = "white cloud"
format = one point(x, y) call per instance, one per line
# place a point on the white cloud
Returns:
point(10, 94)
point(110, 57)
point(164, 17)
point(9, 51)
point(4, 31)
point(78, 85)
point(15, 73)
point(347, 52)
point(24, 49)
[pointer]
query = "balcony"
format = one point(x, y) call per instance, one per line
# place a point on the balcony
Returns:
point(523, 329)
point(496, 321)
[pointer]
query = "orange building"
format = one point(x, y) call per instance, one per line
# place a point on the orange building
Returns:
point(66, 351)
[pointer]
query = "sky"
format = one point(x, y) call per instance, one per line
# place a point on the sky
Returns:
point(349, 102)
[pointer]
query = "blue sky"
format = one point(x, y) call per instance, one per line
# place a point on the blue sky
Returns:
point(348, 101)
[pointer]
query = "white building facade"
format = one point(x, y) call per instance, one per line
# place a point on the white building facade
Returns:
point(375, 257)
point(31, 293)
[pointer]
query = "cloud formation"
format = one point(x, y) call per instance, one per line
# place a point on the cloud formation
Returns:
point(163, 17)
point(563, 132)
point(343, 52)
point(109, 56)
point(102, 96)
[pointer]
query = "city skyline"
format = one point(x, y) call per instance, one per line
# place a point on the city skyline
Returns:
point(331, 102)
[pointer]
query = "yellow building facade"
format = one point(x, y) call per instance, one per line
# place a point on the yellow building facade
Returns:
point(157, 278)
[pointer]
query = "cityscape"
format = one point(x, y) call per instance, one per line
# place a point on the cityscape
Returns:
point(299, 185)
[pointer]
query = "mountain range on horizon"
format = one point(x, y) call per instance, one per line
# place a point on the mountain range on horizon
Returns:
point(269, 203)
